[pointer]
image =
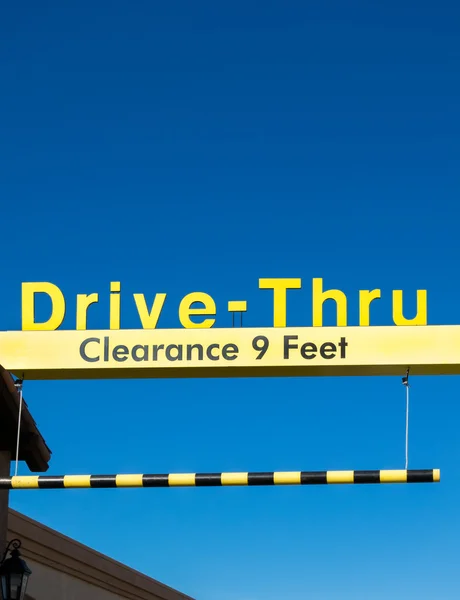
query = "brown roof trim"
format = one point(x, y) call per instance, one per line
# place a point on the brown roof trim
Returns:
point(48, 547)
point(32, 447)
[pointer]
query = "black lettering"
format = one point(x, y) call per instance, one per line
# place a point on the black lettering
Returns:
point(172, 347)
point(209, 352)
point(83, 349)
point(191, 347)
point(138, 358)
point(328, 347)
point(106, 349)
point(288, 346)
point(229, 348)
point(256, 344)
point(308, 347)
point(120, 353)
point(155, 350)
point(342, 345)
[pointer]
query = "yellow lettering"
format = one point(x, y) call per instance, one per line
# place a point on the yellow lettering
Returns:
point(115, 287)
point(148, 319)
point(186, 310)
point(421, 315)
point(28, 306)
point(365, 299)
point(83, 302)
point(279, 287)
point(319, 297)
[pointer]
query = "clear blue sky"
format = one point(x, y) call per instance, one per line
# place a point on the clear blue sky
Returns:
point(181, 147)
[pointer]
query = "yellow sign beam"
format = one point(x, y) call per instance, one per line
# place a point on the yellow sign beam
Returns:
point(37, 482)
point(238, 352)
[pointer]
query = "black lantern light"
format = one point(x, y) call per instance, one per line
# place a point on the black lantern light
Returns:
point(14, 573)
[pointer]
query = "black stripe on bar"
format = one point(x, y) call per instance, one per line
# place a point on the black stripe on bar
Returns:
point(103, 481)
point(51, 481)
point(420, 476)
point(308, 477)
point(208, 479)
point(261, 478)
point(367, 477)
point(155, 481)
point(5, 483)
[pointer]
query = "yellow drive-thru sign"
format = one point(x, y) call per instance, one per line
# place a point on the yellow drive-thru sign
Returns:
point(235, 352)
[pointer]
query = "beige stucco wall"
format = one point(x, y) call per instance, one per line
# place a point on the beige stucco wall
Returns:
point(64, 569)
point(48, 584)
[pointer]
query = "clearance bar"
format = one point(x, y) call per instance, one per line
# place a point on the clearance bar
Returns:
point(238, 352)
point(219, 479)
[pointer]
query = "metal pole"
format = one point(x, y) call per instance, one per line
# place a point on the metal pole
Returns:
point(219, 479)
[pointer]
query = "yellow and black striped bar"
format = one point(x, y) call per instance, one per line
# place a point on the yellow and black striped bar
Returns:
point(218, 479)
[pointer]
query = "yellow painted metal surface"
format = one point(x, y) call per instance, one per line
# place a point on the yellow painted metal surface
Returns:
point(287, 477)
point(238, 352)
point(181, 479)
point(25, 483)
point(340, 476)
point(234, 478)
point(395, 476)
point(76, 481)
point(134, 480)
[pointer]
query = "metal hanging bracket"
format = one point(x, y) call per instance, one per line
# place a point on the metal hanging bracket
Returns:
point(405, 379)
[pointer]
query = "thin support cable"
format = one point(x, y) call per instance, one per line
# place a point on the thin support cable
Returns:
point(405, 381)
point(18, 385)
point(407, 427)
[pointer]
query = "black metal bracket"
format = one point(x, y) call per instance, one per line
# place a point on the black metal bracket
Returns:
point(405, 379)
point(15, 543)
